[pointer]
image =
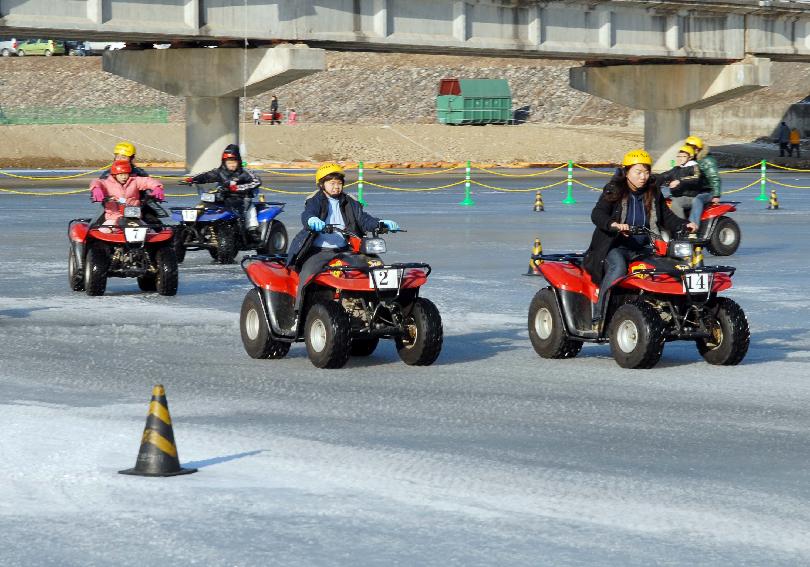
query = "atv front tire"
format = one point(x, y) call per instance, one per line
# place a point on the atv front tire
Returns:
point(226, 244)
point(327, 335)
point(95, 270)
point(254, 330)
point(75, 275)
point(276, 239)
point(636, 335)
point(731, 336)
point(166, 279)
point(177, 242)
point(422, 341)
point(725, 237)
point(546, 329)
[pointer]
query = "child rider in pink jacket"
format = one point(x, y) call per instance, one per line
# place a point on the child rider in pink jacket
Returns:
point(123, 189)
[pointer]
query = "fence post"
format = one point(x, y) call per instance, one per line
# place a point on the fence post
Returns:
point(360, 184)
point(569, 198)
point(763, 174)
point(467, 202)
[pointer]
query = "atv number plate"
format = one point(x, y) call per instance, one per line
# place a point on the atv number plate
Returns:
point(697, 283)
point(135, 234)
point(189, 215)
point(386, 279)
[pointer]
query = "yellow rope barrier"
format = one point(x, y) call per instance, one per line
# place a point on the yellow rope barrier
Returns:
point(591, 187)
point(36, 178)
point(44, 194)
point(283, 173)
point(530, 189)
point(747, 167)
point(592, 170)
point(415, 189)
point(493, 172)
point(742, 188)
point(784, 167)
point(391, 172)
point(769, 180)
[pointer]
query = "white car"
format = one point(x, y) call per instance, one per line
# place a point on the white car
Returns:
point(95, 47)
point(8, 47)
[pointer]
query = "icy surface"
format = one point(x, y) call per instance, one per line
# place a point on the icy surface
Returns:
point(492, 456)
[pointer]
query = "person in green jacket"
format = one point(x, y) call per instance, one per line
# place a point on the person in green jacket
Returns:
point(710, 184)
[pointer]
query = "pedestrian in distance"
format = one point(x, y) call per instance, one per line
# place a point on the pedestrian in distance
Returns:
point(292, 117)
point(795, 141)
point(783, 139)
point(274, 116)
point(257, 115)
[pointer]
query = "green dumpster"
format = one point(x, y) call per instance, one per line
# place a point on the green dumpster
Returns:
point(474, 101)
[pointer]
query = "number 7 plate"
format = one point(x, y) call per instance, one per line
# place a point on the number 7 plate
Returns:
point(386, 279)
point(697, 283)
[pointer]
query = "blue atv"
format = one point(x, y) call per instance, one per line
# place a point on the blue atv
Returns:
point(217, 225)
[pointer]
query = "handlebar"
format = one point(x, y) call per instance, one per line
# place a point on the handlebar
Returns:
point(333, 228)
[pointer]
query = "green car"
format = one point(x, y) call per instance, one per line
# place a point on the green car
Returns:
point(45, 47)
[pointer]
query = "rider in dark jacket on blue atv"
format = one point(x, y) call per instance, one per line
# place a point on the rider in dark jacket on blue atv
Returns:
point(310, 249)
point(241, 182)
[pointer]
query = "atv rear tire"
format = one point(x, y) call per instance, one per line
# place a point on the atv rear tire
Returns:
point(364, 347)
point(75, 275)
point(725, 237)
point(276, 239)
point(636, 335)
point(226, 244)
point(546, 330)
point(327, 335)
point(422, 342)
point(166, 279)
point(730, 334)
point(254, 330)
point(95, 270)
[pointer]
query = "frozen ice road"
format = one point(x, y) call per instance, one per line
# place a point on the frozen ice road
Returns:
point(492, 456)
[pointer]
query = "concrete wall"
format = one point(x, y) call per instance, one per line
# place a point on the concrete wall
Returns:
point(621, 29)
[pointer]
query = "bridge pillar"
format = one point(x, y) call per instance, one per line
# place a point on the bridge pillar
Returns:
point(668, 93)
point(212, 80)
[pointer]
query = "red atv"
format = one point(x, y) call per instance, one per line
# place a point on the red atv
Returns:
point(667, 295)
point(132, 248)
point(722, 233)
point(348, 307)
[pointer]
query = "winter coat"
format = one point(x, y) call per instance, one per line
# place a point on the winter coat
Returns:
point(688, 176)
point(131, 191)
point(246, 181)
point(608, 210)
point(709, 173)
point(783, 134)
point(136, 172)
point(355, 219)
point(795, 137)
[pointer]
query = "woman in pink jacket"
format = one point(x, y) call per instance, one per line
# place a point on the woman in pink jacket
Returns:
point(123, 189)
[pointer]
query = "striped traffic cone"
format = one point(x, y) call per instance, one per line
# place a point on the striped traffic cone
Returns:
point(158, 453)
point(534, 261)
point(538, 202)
point(773, 202)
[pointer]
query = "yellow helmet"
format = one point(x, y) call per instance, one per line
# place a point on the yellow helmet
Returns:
point(687, 150)
point(634, 157)
point(326, 169)
point(694, 141)
point(124, 149)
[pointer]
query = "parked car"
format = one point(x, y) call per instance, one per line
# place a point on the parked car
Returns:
point(46, 47)
point(98, 47)
point(73, 47)
point(8, 47)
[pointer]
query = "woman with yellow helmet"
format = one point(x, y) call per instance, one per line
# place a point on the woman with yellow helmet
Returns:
point(630, 198)
point(311, 249)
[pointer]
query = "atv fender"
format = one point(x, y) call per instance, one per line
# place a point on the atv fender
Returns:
point(569, 277)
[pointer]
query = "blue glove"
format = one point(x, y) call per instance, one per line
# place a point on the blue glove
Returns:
point(390, 225)
point(316, 224)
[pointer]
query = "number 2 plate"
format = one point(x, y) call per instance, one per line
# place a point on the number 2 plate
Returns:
point(697, 283)
point(386, 279)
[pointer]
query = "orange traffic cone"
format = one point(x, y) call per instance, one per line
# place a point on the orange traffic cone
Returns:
point(773, 202)
point(535, 260)
point(158, 454)
point(538, 202)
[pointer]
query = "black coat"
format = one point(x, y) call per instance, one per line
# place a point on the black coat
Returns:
point(246, 180)
point(355, 219)
point(608, 211)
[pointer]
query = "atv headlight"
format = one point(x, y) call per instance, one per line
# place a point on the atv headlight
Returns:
point(680, 249)
point(132, 212)
point(372, 246)
point(208, 197)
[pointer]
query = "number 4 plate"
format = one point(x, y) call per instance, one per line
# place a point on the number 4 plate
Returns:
point(386, 279)
point(697, 283)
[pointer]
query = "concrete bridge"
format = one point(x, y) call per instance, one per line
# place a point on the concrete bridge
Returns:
point(704, 51)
